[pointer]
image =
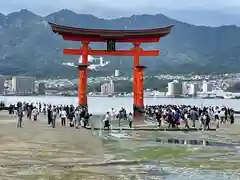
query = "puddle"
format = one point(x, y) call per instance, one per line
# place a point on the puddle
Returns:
point(198, 142)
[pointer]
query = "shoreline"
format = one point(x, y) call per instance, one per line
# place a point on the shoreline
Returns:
point(118, 96)
point(100, 105)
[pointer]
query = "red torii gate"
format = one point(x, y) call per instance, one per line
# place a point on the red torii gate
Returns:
point(136, 37)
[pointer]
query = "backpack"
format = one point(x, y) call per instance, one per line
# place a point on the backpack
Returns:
point(20, 112)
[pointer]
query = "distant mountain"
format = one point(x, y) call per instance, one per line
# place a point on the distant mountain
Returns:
point(28, 47)
point(200, 17)
point(2, 17)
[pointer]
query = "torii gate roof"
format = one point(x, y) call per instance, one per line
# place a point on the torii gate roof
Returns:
point(107, 34)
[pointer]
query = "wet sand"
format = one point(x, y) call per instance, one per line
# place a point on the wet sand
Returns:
point(36, 148)
point(37, 151)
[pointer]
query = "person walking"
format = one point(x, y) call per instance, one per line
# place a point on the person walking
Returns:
point(54, 117)
point(63, 116)
point(77, 117)
point(130, 119)
point(20, 115)
point(35, 114)
point(49, 115)
point(106, 121)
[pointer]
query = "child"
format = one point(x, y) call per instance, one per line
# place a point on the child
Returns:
point(130, 118)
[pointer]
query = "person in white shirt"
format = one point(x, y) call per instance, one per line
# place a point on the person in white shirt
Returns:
point(107, 120)
point(113, 114)
point(77, 117)
point(54, 116)
point(217, 119)
point(35, 114)
point(186, 118)
point(173, 111)
point(222, 115)
point(63, 116)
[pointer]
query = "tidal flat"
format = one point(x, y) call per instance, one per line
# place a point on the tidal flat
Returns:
point(38, 152)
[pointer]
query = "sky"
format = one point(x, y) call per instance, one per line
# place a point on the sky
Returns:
point(115, 8)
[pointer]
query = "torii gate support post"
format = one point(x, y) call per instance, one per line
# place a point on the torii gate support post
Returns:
point(83, 69)
point(136, 48)
point(139, 108)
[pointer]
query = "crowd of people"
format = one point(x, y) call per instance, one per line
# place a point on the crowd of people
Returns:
point(120, 115)
point(174, 114)
point(171, 114)
point(75, 116)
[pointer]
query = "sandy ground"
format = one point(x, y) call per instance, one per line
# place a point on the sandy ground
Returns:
point(37, 147)
point(37, 151)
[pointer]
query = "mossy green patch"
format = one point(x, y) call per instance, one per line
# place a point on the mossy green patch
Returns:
point(159, 152)
point(151, 153)
point(208, 164)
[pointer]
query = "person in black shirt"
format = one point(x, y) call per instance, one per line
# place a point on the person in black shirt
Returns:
point(20, 116)
point(158, 117)
point(49, 115)
point(86, 119)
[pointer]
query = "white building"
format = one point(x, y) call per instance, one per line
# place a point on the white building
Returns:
point(104, 89)
point(193, 89)
point(107, 88)
point(8, 86)
point(174, 88)
point(93, 59)
point(23, 85)
point(185, 88)
point(2, 84)
point(206, 87)
point(117, 73)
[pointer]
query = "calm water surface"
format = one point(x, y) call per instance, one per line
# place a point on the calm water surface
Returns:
point(102, 104)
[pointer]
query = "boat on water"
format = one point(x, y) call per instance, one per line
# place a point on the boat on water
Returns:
point(229, 96)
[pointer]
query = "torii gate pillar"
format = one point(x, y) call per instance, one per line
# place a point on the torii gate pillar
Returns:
point(138, 108)
point(82, 80)
point(137, 81)
point(134, 76)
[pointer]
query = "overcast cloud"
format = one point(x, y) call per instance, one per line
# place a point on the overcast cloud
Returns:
point(111, 8)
